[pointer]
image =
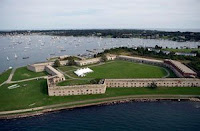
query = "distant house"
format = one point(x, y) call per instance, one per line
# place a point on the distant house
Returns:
point(166, 52)
point(185, 54)
point(156, 50)
point(150, 49)
point(127, 35)
point(153, 49)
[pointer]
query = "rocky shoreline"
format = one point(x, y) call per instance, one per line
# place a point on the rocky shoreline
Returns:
point(110, 102)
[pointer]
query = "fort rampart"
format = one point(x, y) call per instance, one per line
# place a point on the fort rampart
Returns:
point(162, 82)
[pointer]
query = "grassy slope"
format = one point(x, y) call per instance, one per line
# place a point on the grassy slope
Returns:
point(124, 69)
point(23, 73)
point(74, 82)
point(182, 50)
point(172, 74)
point(67, 68)
point(4, 76)
point(35, 91)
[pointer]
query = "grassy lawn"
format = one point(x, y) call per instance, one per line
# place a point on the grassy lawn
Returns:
point(172, 74)
point(34, 93)
point(182, 50)
point(67, 68)
point(74, 82)
point(125, 69)
point(4, 76)
point(23, 73)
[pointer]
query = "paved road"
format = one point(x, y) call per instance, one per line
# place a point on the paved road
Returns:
point(100, 100)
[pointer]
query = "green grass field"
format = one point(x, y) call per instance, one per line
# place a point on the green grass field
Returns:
point(182, 50)
point(67, 68)
point(125, 69)
point(74, 82)
point(4, 76)
point(23, 73)
point(34, 93)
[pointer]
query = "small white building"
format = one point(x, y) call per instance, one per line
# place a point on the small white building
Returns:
point(185, 54)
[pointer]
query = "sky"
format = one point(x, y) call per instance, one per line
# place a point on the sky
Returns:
point(99, 14)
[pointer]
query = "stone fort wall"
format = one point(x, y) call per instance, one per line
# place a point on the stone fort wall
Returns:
point(162, 82)
point(76, 90)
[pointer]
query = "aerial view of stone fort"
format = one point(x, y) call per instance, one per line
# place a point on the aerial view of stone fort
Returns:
point(103, 65)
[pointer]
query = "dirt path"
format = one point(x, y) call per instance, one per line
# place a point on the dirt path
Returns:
point(35, 78)
point(11, 75)
point(3, 83)
point(66, 74)
point(99, 100)
point(9, 78)
point(168, 74)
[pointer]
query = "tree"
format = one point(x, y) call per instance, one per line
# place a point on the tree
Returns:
point(153, 85)
point(57, 63)
point(95, 81)
point(104, 58)
point(158, 47)
point(71, 61)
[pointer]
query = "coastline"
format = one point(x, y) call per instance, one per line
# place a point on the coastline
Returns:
point(177, 98)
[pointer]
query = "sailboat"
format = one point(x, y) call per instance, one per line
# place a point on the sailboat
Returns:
point(15, 56)
point(7, 59)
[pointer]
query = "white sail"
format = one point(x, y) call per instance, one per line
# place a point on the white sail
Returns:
point(15, 56)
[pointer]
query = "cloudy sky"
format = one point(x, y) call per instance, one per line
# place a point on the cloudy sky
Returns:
point(88, 14)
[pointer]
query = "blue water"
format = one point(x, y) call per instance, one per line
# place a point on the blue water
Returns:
point(39, 47)
point(146, 116)
point(129, 116)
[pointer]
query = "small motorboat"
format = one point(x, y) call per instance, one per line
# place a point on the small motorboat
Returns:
point(26, 57)
point(62, 50)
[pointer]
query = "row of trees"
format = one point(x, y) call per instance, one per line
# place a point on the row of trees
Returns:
point(71, 61)
point(115, 33)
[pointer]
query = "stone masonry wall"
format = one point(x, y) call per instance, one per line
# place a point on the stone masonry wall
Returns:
point(163, 82)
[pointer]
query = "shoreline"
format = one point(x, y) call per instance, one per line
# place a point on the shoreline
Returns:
point(102, 103)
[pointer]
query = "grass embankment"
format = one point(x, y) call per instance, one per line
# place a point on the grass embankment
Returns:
point(4, 76)
point(67, 68)
point(182, 50)
point(23, 73)
point(34, 94)
point(74, 82)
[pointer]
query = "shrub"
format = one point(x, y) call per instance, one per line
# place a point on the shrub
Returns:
point(57, 63)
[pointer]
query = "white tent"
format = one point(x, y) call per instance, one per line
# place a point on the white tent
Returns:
point(83, 71)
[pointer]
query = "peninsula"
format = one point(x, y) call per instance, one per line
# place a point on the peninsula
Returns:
point(65, 82)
